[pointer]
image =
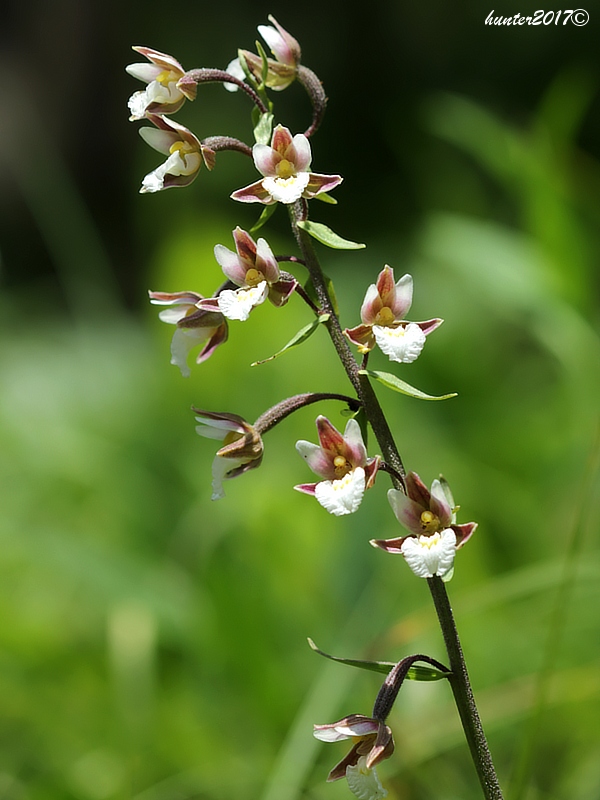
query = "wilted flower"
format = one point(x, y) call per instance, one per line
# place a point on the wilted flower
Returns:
point(162, 95)
point(430, 517)
point(254, 269)
point(281, 71)
point(195, 325)
point(285, 163)
point(383, 310)
point(373, 742)
point(184, 150)
point(242, 446)
point(342, 462)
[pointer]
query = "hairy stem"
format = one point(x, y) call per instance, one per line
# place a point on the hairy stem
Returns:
point(463, 694)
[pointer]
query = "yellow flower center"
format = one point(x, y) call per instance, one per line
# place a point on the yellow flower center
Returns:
point(429, 522)
point(232, 436)
point(285, 169)
point(341, 466)
point(182, 147)
point(385, 316)
point(166, 76)
point(254, 277)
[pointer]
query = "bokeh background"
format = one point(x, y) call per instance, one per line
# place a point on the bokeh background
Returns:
point(152, 643)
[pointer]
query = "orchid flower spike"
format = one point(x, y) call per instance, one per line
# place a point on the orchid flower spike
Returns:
point(285, 165)
point(184, 150)
point(281, 71)
point(434, 536)
point(372, 743)
point(195, 325)
point(242, 446)
point(162, 95)
point(343, 464)
point(253, 268)
point(383, 310)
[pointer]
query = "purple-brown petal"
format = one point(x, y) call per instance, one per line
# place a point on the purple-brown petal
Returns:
point(389, 545)
point(362, 337)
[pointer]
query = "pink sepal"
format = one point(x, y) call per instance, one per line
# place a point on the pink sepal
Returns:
point(362, 337)
point(389, 545)
point(464, 532)
point(306, 488)
point(254, 193)
point(321, 183)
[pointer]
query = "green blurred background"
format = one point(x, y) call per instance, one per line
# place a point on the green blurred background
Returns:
point(152, 643)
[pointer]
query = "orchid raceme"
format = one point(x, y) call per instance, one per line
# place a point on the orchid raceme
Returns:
point(285, 165)
point(254, 269)
point(242, 446)
point(184, 152)
point(383, 310)
point(372, 743)
point(281, 72)
point(430, 516)
point(162, 95)
point(195, 325)
point(342, 462)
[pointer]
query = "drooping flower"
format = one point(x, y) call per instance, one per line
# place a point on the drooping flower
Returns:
point(242, 446)
point(282, 70)
point(162, 95)
point(383, 310)
point(342, 463)
point(184, 150)
point(195, 325)
point(372, 743)
point(430, 516)
point(254, 269)
point(285, 165)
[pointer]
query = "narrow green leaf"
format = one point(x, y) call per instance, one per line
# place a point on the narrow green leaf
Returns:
point(415, 673)
point(265, 62)
point(326, 198)
point(262, 131)
point(302, 335)
point(392, 382)
point(326, 236)
point(265, 215)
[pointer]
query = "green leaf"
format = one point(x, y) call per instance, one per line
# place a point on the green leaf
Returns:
point(326, 236)
point(265, 215)
point(415, 673)
point(262, 131)
point(326, 198)
point(392, 382)
point(302, 335)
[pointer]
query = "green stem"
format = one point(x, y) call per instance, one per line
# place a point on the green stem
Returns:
point(459, 680)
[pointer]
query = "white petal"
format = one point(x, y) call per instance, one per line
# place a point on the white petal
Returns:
point(184, 339)
point(344, 495)
point(137, 103)
point(174, 314)
point(287, 190)
point(155, 180)
point(234, 68)
point(364, 782)
point(220, 469)
point(402, 344)
point(238, 303)
point(430, 555)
